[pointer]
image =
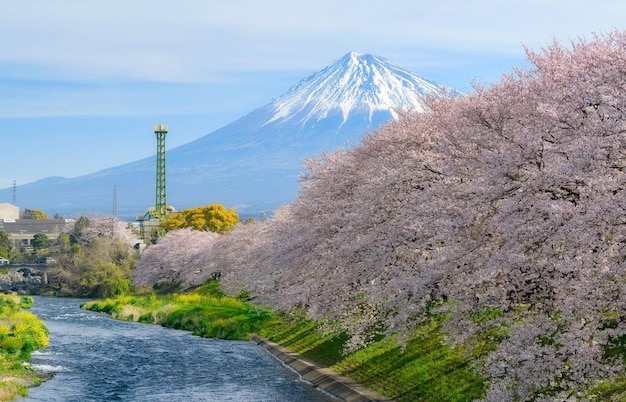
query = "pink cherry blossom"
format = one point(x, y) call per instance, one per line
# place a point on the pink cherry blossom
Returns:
point(511, 199)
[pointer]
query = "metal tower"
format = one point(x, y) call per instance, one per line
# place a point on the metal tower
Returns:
point(160, 130)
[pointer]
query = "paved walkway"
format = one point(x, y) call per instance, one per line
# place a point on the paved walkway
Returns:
point(322, 377)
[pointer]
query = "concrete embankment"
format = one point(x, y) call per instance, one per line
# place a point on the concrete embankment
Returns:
point(322, 377)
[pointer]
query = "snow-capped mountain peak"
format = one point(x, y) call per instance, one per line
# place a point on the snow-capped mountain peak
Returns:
point(362, 82)
point(254, 163)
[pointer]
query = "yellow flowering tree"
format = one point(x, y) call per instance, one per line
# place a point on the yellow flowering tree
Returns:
point(34, 214)
point(211, 218)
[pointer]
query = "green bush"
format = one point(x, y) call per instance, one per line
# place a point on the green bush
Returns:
point(12, 344)
point(106, 306)
point(147, 318)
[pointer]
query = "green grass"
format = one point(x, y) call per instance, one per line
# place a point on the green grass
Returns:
point(425, 369)
point(205, 312)
point(304, 337)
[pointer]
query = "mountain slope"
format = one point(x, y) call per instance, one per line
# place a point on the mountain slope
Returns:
point(252, 164)
point(355, 83)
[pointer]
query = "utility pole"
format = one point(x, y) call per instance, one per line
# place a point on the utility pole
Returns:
point(114, 200)
point(114, 217)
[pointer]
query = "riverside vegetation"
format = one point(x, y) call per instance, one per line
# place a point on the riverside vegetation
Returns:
point(21, 332)
point(423, 369)
point(95, 259)
point(419, 367)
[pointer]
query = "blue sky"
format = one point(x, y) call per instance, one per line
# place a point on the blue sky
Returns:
point(82, 82)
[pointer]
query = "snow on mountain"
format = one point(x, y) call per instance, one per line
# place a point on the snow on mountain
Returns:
point(356, 81)
point(252, 164)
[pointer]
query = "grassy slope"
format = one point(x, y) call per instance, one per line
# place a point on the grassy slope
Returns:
point(425, 370)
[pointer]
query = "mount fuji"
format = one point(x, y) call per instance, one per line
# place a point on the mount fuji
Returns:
point(252, 164)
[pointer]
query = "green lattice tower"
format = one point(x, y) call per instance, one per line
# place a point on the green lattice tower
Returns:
point(160, 130)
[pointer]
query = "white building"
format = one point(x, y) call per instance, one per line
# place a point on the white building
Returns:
point(9, 211)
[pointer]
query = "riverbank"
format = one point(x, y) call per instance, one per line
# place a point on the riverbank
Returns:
point(319, 376)
point(421, 368)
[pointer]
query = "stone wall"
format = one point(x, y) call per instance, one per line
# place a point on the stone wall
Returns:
point(23, 280)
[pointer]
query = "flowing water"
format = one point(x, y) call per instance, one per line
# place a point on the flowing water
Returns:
point(95, 358)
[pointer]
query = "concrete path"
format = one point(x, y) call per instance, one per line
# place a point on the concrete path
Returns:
point(322, 377)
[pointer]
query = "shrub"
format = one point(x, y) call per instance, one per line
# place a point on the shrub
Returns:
point(31, 331)
point(12, 344)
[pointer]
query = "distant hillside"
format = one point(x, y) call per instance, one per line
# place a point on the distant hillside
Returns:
point(254, 163)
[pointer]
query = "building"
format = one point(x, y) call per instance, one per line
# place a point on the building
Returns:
point(9, 211)
point(22, 231)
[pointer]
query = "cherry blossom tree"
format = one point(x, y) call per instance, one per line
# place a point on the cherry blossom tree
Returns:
point(505, 208)
point(107, 227)
point(171, 260)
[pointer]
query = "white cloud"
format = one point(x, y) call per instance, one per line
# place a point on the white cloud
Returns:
point(199, 40)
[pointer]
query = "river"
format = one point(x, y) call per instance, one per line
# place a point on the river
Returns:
point(96, 358)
